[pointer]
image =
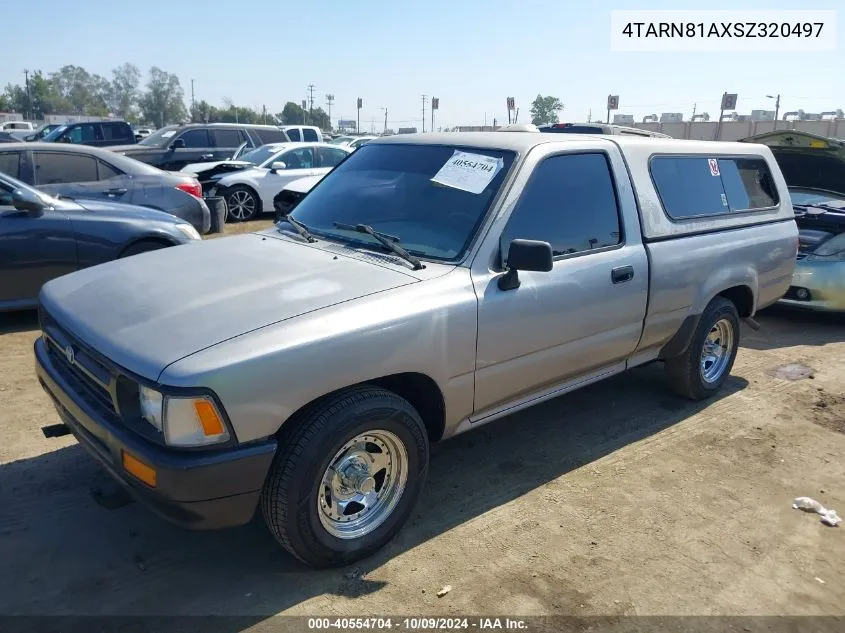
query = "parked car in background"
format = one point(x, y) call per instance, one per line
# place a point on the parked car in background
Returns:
point(5, 137)
point(43, 237)
point(94, 133)
point(79, 171)
point(304, 133)
point(142, 132)
point(814, 169)
point(17, 129)
point(250, 192)
point(342, 140)
point(174, 146)
point(291, 194)
point(428, 285)
point(42, 131)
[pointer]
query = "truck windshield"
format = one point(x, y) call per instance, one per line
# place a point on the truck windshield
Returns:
point(52, 136)
point(433, 196)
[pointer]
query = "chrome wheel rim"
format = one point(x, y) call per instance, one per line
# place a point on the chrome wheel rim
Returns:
point(716, 352)
point(362, 484)
point(241, 205)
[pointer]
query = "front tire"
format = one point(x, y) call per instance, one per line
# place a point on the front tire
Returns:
point(701, 370)
point(346, 477)
point(242, 204)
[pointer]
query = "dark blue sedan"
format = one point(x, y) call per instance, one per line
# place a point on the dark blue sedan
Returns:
point(42, 237)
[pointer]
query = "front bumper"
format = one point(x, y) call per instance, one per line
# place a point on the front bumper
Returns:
point(195, 489)
point(823, 283)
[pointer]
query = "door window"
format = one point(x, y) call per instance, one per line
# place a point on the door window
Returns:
point(226, 138)
point(301, 158)
point(196, 138)
point(107, 172)
point(696, 186)
point(84, 133)
point(116, 132)
point(10, 163)
point(270, 135)
point(569, 202)
point(294, 135)
point(329, 157)
point(58, 168)
point(309, 135)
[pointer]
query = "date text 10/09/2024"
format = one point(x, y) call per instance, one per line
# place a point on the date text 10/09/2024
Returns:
point(723, 29)
point(416, 624)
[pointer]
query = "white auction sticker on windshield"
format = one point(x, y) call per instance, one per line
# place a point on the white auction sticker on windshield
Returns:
point(468, 172)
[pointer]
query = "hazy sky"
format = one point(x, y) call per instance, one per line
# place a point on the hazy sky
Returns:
point(471, 55)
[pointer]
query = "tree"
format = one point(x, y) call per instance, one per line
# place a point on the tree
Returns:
point(44, 95)
point(83, 92)
point(320, 118)
point(544, 110)
point(292, 114)
point(164, 100)
point(123, 93)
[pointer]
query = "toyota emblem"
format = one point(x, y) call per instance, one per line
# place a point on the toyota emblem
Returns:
point(69, 354)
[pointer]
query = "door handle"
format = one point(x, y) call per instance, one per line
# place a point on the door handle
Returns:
point(622, 274)
point(207, 156)
point(117, 191)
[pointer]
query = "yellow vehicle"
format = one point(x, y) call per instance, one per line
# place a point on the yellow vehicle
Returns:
point(814, 169)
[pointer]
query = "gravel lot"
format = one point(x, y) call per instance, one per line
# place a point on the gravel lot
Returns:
point(617, 499)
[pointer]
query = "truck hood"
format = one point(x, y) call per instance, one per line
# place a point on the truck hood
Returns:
point(150, 310)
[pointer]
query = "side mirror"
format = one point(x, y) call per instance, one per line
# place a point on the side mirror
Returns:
point(530, 255)
point(279, 165)
point(29, 138)
point(26, 200)
point(177, 144)
point(65, 139)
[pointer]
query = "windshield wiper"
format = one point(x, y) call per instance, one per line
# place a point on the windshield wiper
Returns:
point(385, 239)
point(820, 205)
point(300, 228)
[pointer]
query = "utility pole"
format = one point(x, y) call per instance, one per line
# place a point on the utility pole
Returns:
point(777, 109)
point(385, 120)
point(264, 114)
point(329, 102)
point(311, 100)
point(424, 100)
point(590, 115)
point(193, 103)
point(28, 112)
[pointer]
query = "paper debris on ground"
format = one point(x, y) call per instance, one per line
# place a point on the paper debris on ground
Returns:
point(828, 516)
point(444, 591)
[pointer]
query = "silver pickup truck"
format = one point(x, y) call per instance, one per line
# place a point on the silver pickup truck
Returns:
point(428, 285)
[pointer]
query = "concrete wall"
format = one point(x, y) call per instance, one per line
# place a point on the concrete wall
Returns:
point(735, 130)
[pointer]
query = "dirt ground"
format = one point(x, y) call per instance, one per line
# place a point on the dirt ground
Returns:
point(617, 499)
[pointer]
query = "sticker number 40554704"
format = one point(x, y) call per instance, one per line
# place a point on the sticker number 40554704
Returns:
point(468, 171)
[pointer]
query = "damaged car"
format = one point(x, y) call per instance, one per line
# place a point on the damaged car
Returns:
point(814, 169)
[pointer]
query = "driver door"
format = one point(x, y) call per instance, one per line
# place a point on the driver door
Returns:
point(299, 163)
point(33, 250)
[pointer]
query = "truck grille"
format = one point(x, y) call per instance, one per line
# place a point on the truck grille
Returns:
point(90, 378)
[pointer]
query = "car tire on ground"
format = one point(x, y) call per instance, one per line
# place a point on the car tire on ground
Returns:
point(143, 246)
point(347, 476)
point(701, 370)
point(242, 204)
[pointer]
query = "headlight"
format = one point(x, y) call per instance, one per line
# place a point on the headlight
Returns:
point(190, 231)
point(191, 421)
point(831, 251)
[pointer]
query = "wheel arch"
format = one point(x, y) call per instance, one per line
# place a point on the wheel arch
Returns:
point(741, 295)
point(147, 239)
point(226, 189)
point(419, 389)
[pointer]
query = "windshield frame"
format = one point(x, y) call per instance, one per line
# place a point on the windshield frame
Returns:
point(831, 196)
point(55, 133)
point(479, 231)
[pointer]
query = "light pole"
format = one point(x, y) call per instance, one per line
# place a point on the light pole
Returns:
point(777, 108)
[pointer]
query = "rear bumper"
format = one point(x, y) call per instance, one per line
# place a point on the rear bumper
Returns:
point(194, 489)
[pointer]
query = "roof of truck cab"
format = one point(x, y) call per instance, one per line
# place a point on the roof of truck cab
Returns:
point(524, 141)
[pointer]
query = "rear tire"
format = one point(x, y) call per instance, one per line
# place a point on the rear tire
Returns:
point(364, 443)
point(142, 247)
point(701, 369)
point(242, 204)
